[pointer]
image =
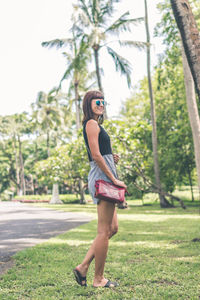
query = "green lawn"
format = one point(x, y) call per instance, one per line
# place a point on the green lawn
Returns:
point(152, 257)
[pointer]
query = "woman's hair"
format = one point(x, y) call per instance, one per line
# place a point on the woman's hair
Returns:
point(87, 109)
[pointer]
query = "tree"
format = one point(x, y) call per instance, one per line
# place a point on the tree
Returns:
point(190, 37)
point(77, 68)
point(135, 166)
point(67, 163)
point(163, 201)
point(7, 167)
point(13, 129)
point(176, 153)
point(193, 112)
point(48, 115)
point(173, 38)
point(77, 57)
point(92, 19)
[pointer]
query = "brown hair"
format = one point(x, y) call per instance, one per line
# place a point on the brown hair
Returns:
point(87, 110)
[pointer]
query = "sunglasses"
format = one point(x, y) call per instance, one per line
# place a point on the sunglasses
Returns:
point(99, 102)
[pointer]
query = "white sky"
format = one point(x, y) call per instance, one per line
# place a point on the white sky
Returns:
point(27, 68)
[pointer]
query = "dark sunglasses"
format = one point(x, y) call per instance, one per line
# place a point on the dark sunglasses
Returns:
point(99, 102)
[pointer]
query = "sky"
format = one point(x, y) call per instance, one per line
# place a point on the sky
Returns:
point(27, 68)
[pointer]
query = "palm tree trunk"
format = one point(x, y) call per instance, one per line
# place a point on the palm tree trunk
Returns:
point(81, 189)
point(16, 165)
point(190, 181)
point(190, 37)
point(48, 148)
point(32, 184)
point(76, 104)
point(55, 192)
point(21, 163)
point(96, 56)
point(55, 195)
point(163, 202)
point(193, 112)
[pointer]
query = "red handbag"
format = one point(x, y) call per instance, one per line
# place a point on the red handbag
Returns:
point(109, 192)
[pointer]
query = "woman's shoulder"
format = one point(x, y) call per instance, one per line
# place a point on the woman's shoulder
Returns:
point(88, 122)
point(91, 122)
point(92, 125)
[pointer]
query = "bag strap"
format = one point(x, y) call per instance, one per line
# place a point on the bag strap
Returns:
point(93, 160)
point(89, 150)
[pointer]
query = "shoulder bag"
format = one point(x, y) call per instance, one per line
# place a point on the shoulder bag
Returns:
point(107, 191)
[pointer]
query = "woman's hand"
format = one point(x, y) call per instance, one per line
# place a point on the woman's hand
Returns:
point(119, 183)
point(116, 158)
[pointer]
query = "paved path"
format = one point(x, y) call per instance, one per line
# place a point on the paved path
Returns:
point(23, 225)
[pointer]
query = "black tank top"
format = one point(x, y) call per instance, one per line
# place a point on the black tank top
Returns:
point(104, 141)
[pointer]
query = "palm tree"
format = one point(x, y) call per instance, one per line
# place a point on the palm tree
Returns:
point(190, 37)
point(8, 128)
point(77, 58)
point(91, 19)
point(192, 112)
point(47, 113)
point(163, 201)
point(49, 116)
point(15, 127)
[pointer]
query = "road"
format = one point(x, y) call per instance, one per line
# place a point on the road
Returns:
point(23, 225)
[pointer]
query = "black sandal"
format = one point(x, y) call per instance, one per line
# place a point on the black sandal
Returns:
point(110, 284)
point(79, 278)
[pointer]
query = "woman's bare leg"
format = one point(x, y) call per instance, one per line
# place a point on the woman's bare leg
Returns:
point(83, 267)
point(105, 216)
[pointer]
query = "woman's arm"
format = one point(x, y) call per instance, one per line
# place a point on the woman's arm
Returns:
point(116, 158)
point(93, 130)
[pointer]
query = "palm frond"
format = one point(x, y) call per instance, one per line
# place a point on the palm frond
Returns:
point(40, 98)
point(58, 43)
point(85, 9)
point(53, 92)
point(111, 2)
point(107, 9)
point(135, 21)
point(67, 56)
point(96, 12)
point(77, 61)
point(137, 44)
point(92, 85)
point(123, 24)
point(81, 18)
point(121, 64)
point(67, 73)
point(83, 47)
point(76, 30)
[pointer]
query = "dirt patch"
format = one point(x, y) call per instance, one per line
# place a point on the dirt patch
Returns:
point(6, 262)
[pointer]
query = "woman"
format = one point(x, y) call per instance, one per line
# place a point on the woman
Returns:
point(102, 163)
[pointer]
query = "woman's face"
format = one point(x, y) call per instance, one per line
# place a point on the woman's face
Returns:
point(97, 106)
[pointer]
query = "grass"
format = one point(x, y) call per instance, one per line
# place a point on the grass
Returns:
point(152, 257)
